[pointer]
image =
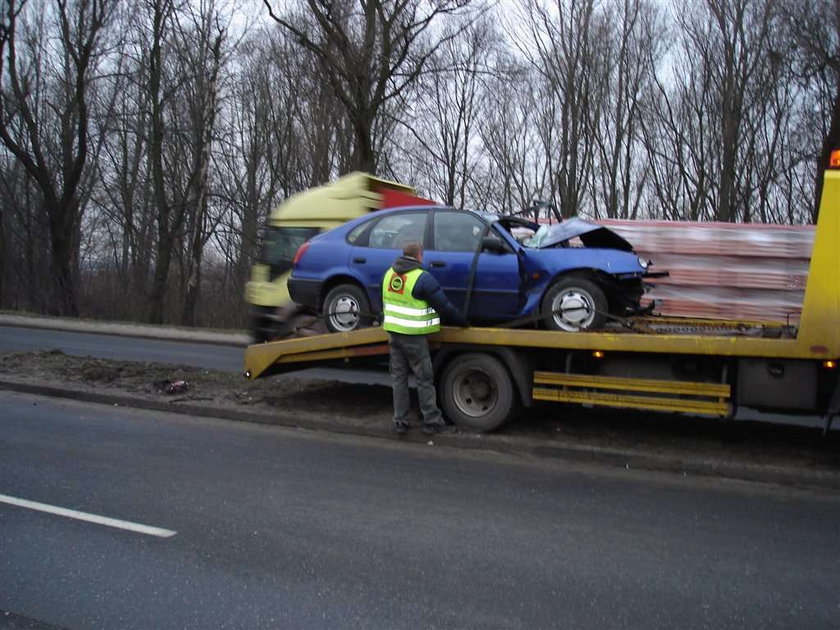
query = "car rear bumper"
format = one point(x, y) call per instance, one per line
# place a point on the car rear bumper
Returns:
point(305, 292)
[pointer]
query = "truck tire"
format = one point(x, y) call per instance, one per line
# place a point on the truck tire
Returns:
point(346, 308)
point(477, 392)
point(574, 304)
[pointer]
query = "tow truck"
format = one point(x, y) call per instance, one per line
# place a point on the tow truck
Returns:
point(297, 219)
point(697, 366)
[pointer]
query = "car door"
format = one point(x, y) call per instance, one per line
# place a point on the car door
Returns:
point(379, 243)
point(456, 234)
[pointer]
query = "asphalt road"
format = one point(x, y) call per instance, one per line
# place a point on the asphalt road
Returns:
point(214, 357)
point(276, 528)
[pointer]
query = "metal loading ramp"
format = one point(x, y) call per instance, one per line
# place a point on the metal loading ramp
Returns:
point(366, 342)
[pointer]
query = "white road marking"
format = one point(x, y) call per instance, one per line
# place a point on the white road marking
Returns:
point(91, 518)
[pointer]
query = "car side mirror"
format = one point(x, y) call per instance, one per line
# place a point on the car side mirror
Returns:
point(493, 244)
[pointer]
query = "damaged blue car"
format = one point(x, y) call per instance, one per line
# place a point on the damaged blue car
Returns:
point(500, 270)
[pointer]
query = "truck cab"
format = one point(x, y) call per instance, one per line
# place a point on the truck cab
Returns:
point(296, 220)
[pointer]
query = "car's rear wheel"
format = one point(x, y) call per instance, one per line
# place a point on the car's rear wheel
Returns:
point(477, 392)
point(347, 308)
point(574, 304)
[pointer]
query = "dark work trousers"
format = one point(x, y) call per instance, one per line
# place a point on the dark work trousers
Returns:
point(410, 355)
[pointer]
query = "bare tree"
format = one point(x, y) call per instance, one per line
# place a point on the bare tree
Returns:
point(25, 247)
point(560, 40)
point(629, 60)
point(44, 118)
point(712, 128)
point(282, 131)
point(445, 111)
point(815, 27)
point(516, 169)
point(371, 51)
point(740, 38)
point(205, 38)
point(122, 204)
point(169, 219)
point(184, 56)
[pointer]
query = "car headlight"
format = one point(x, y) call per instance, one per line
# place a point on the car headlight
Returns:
point(643, 263)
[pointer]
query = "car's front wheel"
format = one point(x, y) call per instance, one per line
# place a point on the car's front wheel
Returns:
point(347, 308)
point(574, 304)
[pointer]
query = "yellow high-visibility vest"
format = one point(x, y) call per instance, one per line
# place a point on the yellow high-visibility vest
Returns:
point(404, 313)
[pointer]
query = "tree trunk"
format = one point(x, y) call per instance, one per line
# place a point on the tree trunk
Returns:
point(3, 265)
point(166, 239)
point(63, 300)
point(191, 292)
point(161, 276)
point(363, 155)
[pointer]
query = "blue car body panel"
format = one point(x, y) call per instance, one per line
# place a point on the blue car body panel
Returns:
point(507, 285)
point(330, 261)
point(369, 265)
point(497, 288)
point(551, 263)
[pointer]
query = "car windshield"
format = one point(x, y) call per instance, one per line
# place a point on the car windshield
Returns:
point(539, 237)
point(281, 243)
point(577, 232)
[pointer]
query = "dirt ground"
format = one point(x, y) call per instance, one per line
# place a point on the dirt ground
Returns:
point(179, 383)
point(672, 435)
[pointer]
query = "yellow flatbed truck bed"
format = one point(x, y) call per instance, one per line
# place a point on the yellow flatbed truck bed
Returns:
point(709, 367)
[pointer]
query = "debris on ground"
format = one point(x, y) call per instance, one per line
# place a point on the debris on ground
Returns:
point(171, 387)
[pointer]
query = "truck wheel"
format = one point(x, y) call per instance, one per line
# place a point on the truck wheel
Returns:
point(346, 308)
point(573, 304)
point(477, 392)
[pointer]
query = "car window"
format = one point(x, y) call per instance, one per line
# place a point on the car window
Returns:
point(357, 232)
point(394, 231)
point(280, 244)
point(457, 232)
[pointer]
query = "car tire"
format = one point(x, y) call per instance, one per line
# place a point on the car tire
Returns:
point(574, 304)
point(346, 308)
point(477, 392)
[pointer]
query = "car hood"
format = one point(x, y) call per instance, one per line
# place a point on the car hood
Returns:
point(590, 234)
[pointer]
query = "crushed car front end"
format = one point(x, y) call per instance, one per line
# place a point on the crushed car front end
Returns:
point(580, 252)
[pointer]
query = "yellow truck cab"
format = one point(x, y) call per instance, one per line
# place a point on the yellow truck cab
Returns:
point(297, 219)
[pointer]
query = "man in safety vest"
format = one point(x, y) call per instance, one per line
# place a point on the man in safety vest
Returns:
point(413, 304)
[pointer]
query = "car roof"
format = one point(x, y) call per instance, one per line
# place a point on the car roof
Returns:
point(350, 225)
point(487, 216)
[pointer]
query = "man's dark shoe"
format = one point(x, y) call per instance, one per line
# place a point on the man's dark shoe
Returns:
point(438, 429)
point(401, 429)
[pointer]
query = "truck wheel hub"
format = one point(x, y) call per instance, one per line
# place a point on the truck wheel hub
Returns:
point(475, 394)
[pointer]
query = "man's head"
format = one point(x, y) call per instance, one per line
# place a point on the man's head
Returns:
point(413, 250)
